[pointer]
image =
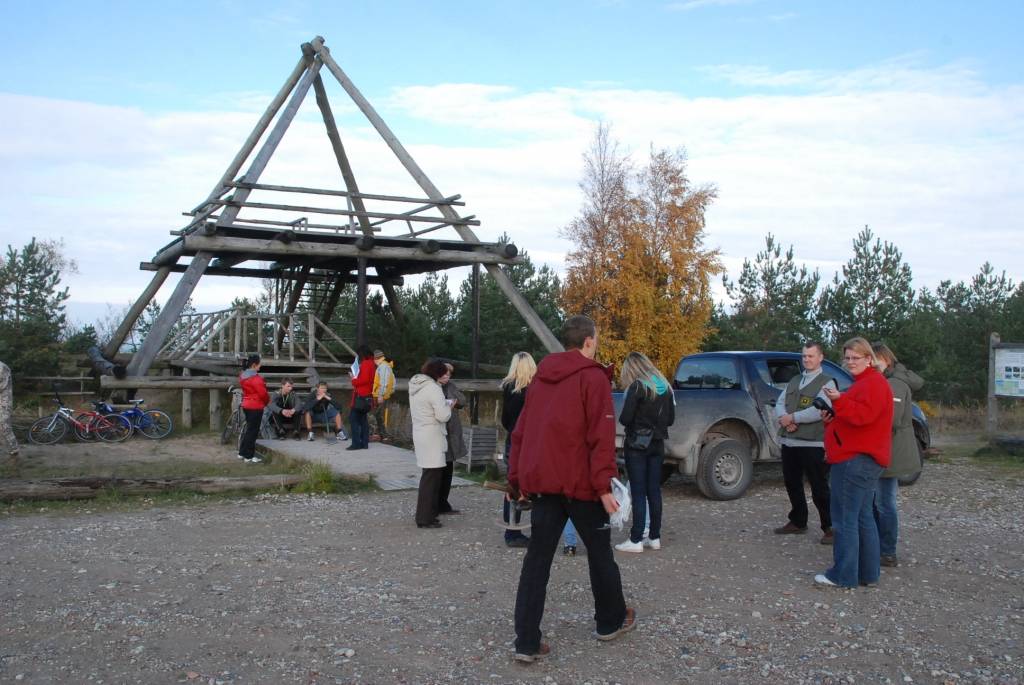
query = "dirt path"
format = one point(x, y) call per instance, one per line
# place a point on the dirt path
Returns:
point(293, 589)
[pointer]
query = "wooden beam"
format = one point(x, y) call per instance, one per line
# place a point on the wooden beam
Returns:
point(234, 204)
point(452, 200)
point(143, 359)
point(489, 385)
point(531, 317)
point(121, 334)
point(331, 303)
point(314, 277)
point(394, 303)
point(361, 304)
point(90, 487)
point(258, 248)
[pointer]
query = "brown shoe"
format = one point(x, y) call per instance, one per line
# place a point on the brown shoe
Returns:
point(889, 560)
point(628, 624)
point(829, 538)
point(542, 652)
point(790, 529)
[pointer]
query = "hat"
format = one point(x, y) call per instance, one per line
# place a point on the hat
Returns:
point(377, 354)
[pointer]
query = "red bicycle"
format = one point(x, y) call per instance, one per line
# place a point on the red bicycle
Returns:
point(109, 427)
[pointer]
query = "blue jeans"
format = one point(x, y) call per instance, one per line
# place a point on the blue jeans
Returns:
point(855, 554)
point(569, 533)
point(886, 516)
point(644, 470)
point(360, 426)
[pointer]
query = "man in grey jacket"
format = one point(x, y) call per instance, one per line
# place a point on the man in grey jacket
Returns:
point(802, 435)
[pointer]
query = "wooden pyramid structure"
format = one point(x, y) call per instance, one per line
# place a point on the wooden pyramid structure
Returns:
point(315, 259)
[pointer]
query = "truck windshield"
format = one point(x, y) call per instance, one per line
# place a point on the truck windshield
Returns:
point(707, 374)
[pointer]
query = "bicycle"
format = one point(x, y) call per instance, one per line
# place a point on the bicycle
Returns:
point(109, 427)
point(152, 423)
point(236, 422)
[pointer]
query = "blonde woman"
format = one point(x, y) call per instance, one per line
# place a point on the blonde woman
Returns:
point(513, 396)
point(648, 409)
point(858, 446)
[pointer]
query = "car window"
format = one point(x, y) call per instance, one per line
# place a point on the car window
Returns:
point(843, 379)
point(707, 374)
point(777, 372)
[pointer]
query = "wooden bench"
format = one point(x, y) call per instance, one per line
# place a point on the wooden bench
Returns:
point(481, 445)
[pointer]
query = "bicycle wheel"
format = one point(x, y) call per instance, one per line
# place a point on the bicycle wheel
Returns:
point(232, 426)
point(112, 428)
point(47, 430)
point(154, 424)
point(84, 432)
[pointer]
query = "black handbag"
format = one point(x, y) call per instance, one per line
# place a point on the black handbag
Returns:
point(640, 439)
point(362, 404)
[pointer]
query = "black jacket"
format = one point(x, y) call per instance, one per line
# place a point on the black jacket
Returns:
point(639, 411)
point(511, 406)
point(319, 406)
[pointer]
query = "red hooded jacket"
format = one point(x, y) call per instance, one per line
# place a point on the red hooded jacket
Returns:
point(254, 390)
point(863, 421)
point(362, 385)
point(564, 441)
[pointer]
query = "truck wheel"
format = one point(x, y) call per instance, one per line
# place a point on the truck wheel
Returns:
point(725, 469)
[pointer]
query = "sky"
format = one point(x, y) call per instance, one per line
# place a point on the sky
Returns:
point(812, 119)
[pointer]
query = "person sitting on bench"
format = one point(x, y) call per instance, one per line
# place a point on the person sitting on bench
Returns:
point(322, 408)
point(284, 411)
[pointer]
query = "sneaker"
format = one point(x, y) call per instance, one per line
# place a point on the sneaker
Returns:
point(790, 529)
point(822, 580)
point(342, 435)
point(254, 460)
point(242, 458)
point(829, 538)
point(627, 546)
point(628, 624)
point(569, 550)
point(654, 544)
point(541, 652)
point(310, 437)
point(890, 560)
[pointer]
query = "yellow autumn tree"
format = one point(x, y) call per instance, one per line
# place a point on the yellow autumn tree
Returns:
point(639, 266)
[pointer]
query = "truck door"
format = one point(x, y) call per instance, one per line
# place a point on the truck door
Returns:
point(766, 385)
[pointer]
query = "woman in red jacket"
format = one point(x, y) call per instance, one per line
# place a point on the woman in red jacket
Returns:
point(362, 387)
point(254, 399)
point(858, 445)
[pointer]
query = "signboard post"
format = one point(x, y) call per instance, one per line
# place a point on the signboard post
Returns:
point(1005, 376)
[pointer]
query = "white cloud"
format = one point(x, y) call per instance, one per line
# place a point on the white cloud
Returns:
point(928, 157)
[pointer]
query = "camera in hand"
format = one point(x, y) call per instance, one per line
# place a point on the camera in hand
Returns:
point(821, 405)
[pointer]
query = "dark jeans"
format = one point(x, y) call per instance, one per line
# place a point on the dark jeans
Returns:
point(855, 553)
point(446, 487)
point(506, 506)
point(360, 428)
point(284, 424)
point(644, 470)
point(426, 500)
point(548, 518)
point(887, 515)
point(796, 462)
point(253, 419)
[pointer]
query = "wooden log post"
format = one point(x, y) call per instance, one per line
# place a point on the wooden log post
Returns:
point(393, 302)
point(112, 347)
point(186, 402)
point(361, 303)
point(991, 403)
point(216, 421)
point(531, 317)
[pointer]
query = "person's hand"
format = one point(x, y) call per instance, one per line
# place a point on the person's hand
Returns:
point(786, 420)
point(826, 417)
point(374, 402)
point(831, 393)
point(791, 428)
point(288, 412)
point(611, 505)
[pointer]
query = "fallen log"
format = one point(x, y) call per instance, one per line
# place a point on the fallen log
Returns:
point(89, 487)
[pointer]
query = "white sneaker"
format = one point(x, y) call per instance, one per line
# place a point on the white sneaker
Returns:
point(627, 546)
point(822, 579)
point(241, 457)
point(654, 544)
point(310, 438)
point(254, 460)
point(342, 436)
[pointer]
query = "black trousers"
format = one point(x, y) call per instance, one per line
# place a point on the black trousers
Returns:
point(286, 424)
point(446, 487)
point(429, 493)
point(810, 461)
point(253, 419)
point(547, 519)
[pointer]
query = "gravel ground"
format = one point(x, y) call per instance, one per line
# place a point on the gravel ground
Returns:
point(295, 589)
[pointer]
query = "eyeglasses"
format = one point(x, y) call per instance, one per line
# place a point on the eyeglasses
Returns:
point(853, 358)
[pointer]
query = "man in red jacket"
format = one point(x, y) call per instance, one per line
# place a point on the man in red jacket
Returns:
point(563, 459)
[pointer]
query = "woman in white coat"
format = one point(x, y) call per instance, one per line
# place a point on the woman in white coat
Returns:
point(430, 412)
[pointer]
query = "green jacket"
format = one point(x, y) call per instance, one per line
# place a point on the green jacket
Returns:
point(905, 458)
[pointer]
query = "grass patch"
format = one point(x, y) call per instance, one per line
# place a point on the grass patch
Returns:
point(174, 467)
point(489, 472)
point(1002, 455)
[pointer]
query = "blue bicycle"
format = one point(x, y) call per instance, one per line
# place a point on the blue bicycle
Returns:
point(153, 423)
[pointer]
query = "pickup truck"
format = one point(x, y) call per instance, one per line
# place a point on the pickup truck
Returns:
point(725, 417)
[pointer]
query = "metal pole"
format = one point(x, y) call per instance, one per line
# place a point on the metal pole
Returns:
point(992, 415)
